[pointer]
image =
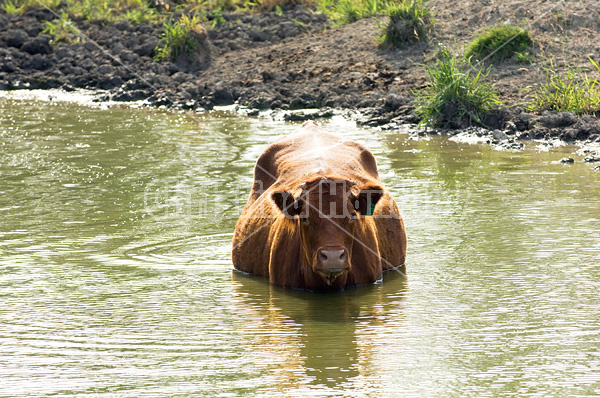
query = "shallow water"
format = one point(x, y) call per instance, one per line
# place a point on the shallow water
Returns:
point(116, 278)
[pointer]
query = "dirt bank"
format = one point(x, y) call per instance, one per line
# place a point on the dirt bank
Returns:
point(297, 60)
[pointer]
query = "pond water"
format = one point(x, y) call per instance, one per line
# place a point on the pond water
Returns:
point(116, 277)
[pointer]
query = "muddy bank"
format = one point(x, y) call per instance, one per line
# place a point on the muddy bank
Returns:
point(297, 60)
point(118, 58)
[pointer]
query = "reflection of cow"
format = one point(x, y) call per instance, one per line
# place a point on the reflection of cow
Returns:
point(318, 217)
point(329, 341)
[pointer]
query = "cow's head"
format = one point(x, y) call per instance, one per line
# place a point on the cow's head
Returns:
point(327, 212)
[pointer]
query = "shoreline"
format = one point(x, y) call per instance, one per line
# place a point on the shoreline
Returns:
point(283, 63)
point(469, 136)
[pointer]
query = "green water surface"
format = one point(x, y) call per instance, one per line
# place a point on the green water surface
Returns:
point(116, 277)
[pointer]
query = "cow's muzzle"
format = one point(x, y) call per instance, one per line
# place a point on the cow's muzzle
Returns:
point(331, 263)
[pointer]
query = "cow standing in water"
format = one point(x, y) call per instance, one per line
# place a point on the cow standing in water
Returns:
point(318, 216)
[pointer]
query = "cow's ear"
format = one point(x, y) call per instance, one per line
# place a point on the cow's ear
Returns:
point(367, 198)
point(286, 203)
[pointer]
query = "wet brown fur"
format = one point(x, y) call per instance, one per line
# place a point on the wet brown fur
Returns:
point(267, 243)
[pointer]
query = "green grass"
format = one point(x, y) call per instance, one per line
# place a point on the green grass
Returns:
point(573, 92)
point(177, 38)
point(136, 11)
point(409, 23)
point(498, 43)
point(346, 11)
point(524, 58)
point(20, 6)
point(13, 7)
point(139, 11)
point(142, 14)
point(91, 10)
point(61, 30)
point(456, 97)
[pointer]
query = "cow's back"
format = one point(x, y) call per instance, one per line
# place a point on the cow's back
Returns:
point(311, 151)
point(286, 164)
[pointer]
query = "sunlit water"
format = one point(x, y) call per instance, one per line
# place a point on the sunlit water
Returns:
point(116, 277)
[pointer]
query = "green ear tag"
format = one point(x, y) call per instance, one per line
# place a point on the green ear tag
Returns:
point(371, 209)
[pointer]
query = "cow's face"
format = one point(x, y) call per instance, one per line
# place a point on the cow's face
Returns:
point(327, 213)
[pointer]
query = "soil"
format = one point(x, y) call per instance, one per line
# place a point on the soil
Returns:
point(298, 60)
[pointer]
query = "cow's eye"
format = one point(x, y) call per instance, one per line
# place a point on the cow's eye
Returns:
point(353, 216)
point(304, 219)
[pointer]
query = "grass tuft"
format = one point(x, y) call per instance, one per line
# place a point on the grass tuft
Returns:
point(177, 37)
point(19, 7)
point(13, 7)
point(455, 98)
point(61, 31)
point(91, 10)
point(499, 43)
point(135, 11)
point(142, 13)
point(524, 58)
point(409, 23)
point(571, 93)
point(347, 11)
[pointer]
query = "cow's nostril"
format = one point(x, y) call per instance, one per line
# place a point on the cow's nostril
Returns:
point(322, 256)
point(332, 258)
point(344, 255)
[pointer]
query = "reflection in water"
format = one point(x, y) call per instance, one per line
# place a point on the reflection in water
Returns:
point(325, 340)
point(116, 276)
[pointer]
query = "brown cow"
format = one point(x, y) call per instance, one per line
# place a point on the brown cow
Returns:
point(318, 216)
